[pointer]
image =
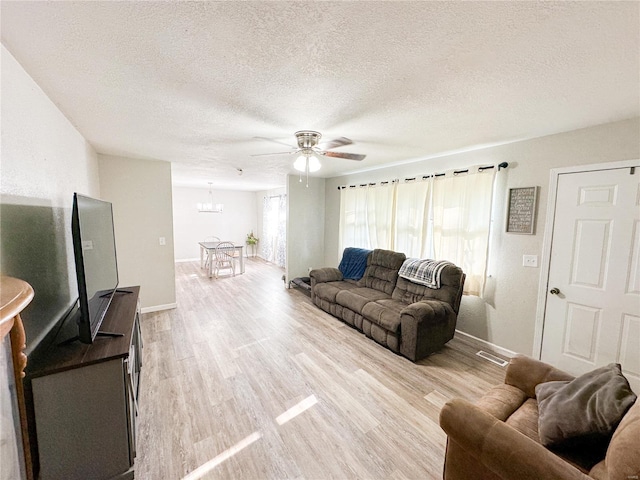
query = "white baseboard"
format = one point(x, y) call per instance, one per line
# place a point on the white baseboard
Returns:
point(490, 346)
point(157, 308)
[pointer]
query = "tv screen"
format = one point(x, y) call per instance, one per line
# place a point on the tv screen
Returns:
point(96, 267)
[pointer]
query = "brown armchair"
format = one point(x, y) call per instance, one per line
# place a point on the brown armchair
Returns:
point(497, 438)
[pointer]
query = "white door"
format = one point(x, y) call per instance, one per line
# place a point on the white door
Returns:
point(592, 315)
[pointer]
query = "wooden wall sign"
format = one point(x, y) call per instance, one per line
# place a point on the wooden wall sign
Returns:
point(521, 212)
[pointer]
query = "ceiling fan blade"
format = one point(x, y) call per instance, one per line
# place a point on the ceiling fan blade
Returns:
point(348, 156)
point(336, 142)
point(273, 154)
point(274, 141)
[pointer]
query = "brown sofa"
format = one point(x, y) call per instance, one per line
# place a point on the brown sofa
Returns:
point(408, 318)
point(497, 438)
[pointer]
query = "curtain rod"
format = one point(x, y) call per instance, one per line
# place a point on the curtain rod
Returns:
point(434, 175)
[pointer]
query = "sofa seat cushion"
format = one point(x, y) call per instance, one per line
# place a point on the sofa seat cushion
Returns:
point(525, 419)
point(356, 298)
point(385, 313)
point(328, 291)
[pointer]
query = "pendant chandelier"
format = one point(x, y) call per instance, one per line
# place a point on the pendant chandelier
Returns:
point(209, 206)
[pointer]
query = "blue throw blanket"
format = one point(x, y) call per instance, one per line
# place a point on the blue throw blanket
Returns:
point(354, 262)
point(424, 272)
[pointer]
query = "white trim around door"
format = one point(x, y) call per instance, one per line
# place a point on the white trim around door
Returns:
point(548, 238)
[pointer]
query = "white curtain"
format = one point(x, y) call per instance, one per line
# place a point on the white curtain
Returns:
point(412, 229)
point(367, 216)
point(274, 229)
point(443, 218)
point(461, 213)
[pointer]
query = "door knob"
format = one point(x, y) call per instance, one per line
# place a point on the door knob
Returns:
point(554, 291)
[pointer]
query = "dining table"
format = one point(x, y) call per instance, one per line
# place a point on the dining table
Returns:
point(207, 250)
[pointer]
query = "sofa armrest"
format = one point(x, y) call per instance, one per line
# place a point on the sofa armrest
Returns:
point(525, 373)
point(502, 449)
point(326, 274)
point(425, 310)
point(323, 275)
point(425, 326)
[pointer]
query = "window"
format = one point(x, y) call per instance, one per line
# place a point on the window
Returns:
point(274, 229)
point(366, 217)
point(444, 218)
point(412, 228)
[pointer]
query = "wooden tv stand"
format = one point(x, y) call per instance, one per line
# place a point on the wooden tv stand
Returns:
point(84, 400)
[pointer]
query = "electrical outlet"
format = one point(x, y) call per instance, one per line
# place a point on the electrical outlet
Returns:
point(163, 241)
point(530, 261)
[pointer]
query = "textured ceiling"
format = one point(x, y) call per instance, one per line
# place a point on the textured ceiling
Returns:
point(195, 83)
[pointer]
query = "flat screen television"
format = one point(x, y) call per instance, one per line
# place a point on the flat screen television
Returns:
point(94, 249)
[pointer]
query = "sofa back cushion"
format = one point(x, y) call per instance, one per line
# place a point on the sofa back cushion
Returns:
point(382, 270)
point(450, 291)
point(354, 262)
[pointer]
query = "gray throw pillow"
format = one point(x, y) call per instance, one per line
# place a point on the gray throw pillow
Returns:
point(585, 410)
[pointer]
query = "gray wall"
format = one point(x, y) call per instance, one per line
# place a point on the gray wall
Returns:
point(140, 191)
point(44, 160)
point(506, 315)
point(305, 225)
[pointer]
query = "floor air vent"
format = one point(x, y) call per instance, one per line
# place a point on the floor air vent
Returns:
point(492, 358)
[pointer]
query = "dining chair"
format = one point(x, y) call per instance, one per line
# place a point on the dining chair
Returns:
point(224, 258)
point(207, 258)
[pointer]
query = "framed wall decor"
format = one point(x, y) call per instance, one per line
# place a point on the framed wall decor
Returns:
point(521, 210)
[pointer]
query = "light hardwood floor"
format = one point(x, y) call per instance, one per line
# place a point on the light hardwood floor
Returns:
point(225, 374)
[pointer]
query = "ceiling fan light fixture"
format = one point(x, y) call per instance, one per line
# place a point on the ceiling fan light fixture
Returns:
point(309, 148)
point(314, 164)
point(304, 162)
point(300, 164)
